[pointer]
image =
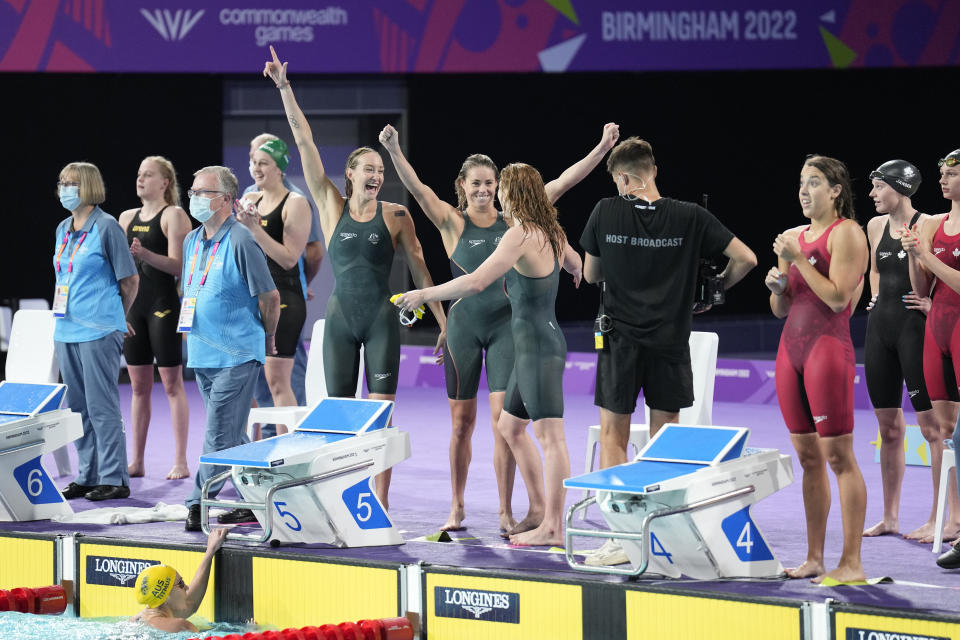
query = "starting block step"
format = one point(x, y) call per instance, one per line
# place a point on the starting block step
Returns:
point(32, 424)
point(683, 506)
point(313, 485)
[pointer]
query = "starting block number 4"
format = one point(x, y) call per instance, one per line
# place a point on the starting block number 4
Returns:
point(657, 548)
point(364, 507)
point(744, 537)
point(36, 484)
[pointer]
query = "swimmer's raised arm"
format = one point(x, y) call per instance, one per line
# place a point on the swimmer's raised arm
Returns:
point(576, 172)
point(324, 192)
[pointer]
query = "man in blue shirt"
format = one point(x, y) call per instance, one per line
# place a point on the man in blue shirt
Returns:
point(230, 310)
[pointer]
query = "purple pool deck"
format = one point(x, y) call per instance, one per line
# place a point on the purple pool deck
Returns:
point(420, 494)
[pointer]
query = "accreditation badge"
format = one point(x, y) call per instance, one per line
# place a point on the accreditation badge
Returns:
point(60, 293)
point(187, 309)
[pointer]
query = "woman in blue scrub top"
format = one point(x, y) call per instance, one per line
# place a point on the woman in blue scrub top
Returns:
point(96, 284)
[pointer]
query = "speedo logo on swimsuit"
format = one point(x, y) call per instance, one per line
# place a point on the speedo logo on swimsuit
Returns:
point(381, 376)
point(374, 238)
point(347, 235)
point(818, 419)
point(938, 250)
point(884, 254)
point(913, 392)
point(812, 260)
point(475, 243)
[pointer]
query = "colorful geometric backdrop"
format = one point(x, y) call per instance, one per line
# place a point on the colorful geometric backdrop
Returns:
point(430, 36)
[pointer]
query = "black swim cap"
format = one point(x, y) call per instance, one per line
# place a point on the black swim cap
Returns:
point(903, 177)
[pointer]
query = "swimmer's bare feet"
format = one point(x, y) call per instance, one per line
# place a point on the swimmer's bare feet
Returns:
point(454, 520)
point(951, 531)
point(178, 472)
point(507, 522)
point(921, 532)
point(843, 574)
point(135, 469)
point(882, 528)
point(532, 521)
point(808, 569)
point(544, 535)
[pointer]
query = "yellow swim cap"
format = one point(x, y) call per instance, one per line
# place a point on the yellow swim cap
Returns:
point(154, 585)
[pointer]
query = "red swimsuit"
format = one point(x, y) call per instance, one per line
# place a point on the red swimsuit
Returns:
point(941, 342)
point(815, 362)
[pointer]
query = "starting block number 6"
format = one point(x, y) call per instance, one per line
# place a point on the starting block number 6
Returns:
point(35, 483)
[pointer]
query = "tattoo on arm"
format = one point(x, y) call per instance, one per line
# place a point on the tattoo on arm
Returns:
point(294, 123)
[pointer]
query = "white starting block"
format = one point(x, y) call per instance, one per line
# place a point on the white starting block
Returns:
point(32, 424)
point(683, 506)
point(312, 485)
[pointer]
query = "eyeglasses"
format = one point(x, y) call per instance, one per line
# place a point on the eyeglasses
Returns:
point(205, 193)
point(67, 184)
point(950, 161)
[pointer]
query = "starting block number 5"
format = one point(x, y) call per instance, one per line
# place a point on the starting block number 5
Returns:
point(296, 526)
point(364, 507)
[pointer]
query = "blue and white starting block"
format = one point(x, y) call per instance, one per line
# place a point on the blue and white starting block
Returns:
point(32, 424)
point(683, 506)
point(312, 485)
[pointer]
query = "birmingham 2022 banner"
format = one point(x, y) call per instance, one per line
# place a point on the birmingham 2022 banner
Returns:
point(431, 36)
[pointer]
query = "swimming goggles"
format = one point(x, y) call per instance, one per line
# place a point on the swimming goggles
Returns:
point(407, 318)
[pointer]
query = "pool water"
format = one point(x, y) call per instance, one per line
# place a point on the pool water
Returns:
point(22, 626)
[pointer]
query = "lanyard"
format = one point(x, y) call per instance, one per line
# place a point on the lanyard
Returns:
point(193, 263)
point(76, 247)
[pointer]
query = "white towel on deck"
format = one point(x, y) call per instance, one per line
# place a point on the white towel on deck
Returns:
point(127, 515)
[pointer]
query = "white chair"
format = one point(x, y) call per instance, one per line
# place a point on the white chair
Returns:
point(36, 304)
point(948, 464)
point(315, 388)
point(703, 362)
point(32, 358)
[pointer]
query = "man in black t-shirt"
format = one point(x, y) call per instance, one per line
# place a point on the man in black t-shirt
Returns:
point(646, 251)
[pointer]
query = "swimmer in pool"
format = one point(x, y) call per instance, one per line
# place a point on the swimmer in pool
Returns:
point(169, 601)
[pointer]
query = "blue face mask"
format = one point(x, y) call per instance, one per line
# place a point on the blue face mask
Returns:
point(70, 198)
point(200, 208)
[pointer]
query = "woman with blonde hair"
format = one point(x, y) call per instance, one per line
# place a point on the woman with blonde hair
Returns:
point(96, 282)
point(530, 254)
point(155, 231)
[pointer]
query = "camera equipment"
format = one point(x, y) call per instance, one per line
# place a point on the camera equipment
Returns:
point(710, 290)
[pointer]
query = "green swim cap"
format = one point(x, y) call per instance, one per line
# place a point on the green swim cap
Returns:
point(276, 149)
